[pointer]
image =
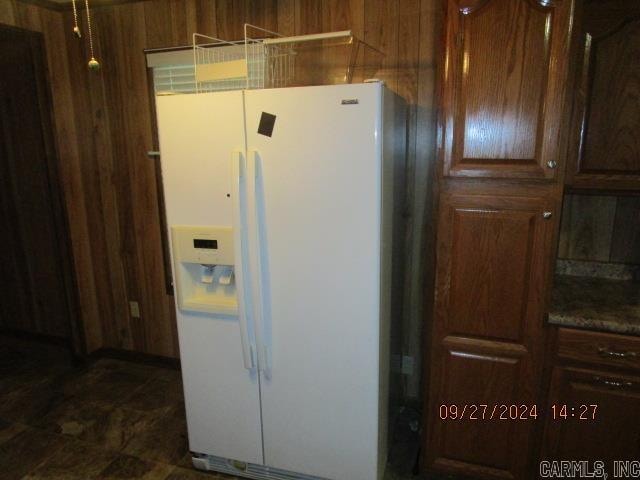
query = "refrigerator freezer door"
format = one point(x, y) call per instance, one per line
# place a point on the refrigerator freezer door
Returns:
point(315, 200)
point(198, 137)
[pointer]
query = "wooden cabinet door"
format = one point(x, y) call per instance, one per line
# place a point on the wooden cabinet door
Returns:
point(505, 67)
point(492, 263)
point(488, 331)
point(611, 434)
point(604, 151)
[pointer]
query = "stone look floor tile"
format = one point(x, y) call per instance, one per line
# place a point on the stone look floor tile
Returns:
point(74, 461)
point(186, 461)
point(97, 423)
point(105, 385)
point(128, 467)
point(165, 440)
point(21, 364)
point(141, 371)
point(157, 395)
point(26, 450)
point(29, 402)
point(169, 375)
point(10, 430)
point(113, 430)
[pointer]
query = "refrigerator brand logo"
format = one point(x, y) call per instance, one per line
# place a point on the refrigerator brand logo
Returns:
point(350, 101)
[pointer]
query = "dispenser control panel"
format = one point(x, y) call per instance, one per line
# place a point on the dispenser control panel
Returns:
point(205, 245)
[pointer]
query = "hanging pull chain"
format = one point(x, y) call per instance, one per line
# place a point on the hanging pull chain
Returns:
point(93, 63)
point(76, 28)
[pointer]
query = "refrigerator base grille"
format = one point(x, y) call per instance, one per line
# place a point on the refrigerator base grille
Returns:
point(247, 470)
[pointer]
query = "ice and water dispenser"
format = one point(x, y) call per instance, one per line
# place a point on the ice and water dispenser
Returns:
point(204, 269)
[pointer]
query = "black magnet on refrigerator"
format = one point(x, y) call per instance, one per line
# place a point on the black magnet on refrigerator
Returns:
point(267, 121)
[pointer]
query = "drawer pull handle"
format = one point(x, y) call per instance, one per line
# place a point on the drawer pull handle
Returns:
point(610, 353)
point(612, 383)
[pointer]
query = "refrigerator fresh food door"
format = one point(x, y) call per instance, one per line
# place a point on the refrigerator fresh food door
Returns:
point(314, 165)
point(202, 145)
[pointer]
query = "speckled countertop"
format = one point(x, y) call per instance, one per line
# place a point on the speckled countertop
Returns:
point(596, 304)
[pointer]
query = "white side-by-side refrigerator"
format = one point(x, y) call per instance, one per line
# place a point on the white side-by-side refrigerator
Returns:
point(281, 207)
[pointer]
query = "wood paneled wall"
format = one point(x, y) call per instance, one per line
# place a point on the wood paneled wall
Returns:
point(104, 127)
point(600, 228)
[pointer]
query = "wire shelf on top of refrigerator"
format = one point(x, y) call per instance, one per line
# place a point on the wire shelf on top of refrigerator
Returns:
point(266, 59)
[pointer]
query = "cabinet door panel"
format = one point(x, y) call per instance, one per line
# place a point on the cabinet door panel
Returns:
point(493, 253)
point(491, 274)
point(606, 437)
point(605, 147)
point(473, 377)
point(505, 68)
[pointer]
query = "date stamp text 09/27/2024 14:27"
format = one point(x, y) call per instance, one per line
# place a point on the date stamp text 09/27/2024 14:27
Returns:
point(479, 411)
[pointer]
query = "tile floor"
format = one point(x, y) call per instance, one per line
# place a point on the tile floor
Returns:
point(109, 420)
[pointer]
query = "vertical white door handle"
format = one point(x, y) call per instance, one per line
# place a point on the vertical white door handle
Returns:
point(263, 293)
point(240, 248)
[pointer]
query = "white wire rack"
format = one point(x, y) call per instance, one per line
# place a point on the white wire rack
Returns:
point(273, 63)
point(223, 65)
point(218, 64)
point(266, 59)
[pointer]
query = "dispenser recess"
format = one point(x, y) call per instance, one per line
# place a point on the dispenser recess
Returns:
point(204, 267)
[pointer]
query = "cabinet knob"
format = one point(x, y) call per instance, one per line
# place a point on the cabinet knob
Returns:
point(547, 215)
point(552, 164)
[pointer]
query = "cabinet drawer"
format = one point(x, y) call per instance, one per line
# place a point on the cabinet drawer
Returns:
point(600, 348)
point(608, 431)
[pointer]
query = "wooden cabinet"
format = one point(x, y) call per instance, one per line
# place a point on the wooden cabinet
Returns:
point(504, 77)
point(594, 399)
point(605, 130)
point(486, 339)
point(501, 140)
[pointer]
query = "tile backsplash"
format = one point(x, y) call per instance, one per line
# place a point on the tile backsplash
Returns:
point(600, 228)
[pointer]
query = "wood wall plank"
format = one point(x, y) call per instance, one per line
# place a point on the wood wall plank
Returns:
point(156, 307)
point(308, 16)
point(343, 15)
point(381, 24)
point(205, 17)
point(56, 30)
point(86, 126)
point(230, 18)
point(111, 206)
point(286, 17)
point(157, 16)
point(263, 14)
